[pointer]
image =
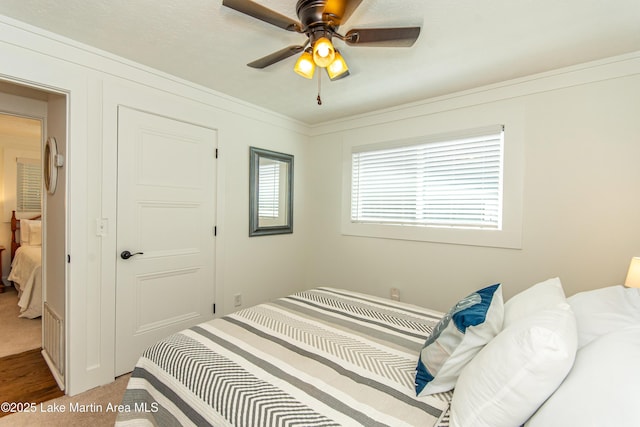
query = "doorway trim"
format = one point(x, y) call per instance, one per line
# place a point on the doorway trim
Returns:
point(19, 105)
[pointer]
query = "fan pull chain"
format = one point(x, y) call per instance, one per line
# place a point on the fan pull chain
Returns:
point(319, 87)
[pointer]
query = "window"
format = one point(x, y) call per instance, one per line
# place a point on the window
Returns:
point(447, 183)
point(269, 184)
point(447, 188)
point(28, 185)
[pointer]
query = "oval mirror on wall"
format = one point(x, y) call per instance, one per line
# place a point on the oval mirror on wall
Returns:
point(50, 170)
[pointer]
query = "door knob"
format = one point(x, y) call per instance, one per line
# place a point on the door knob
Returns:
point(127, 254)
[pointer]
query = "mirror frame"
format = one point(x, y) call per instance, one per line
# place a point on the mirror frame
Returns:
point(50, 170)
point(255, 229)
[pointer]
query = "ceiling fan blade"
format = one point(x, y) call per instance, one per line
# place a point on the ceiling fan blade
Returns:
point(382, 37)
point(340, 10)
point(276, 57)
point(262, 13)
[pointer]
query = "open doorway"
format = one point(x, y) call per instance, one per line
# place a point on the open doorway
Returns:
point(41, 229)
point(21, 297)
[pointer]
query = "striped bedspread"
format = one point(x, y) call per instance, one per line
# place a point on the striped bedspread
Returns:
point(323, 357)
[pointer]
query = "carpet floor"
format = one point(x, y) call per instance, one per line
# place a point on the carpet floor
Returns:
point(17, 334)
point(92, 408)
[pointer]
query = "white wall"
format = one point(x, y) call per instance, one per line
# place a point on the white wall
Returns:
point(264, 266)
point(581, 207)
point(259, 268)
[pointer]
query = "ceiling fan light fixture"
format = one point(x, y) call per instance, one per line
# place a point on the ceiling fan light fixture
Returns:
point(323, 52)
point(305, 65)
point(338, 68)
point(319, 21)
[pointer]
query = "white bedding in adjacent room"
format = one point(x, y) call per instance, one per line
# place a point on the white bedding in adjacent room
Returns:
point(26, 273)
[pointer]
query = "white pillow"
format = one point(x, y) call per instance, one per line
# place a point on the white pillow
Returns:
point(604, 310)
point(35, 233)
point(30, 232)
point(603, 387)
point(513, 375)
point(543, 295)
point(463, 331)
point(24, 232)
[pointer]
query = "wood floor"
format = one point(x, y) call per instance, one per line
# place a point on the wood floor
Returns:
point(25, 377)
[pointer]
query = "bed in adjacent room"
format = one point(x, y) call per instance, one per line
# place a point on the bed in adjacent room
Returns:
point(332, 357)
point(26, 265)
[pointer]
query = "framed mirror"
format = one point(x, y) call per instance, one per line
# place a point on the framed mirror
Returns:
point(50, 171)
point(270, 192)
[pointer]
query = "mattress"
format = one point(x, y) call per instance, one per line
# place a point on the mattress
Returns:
point(322, 357)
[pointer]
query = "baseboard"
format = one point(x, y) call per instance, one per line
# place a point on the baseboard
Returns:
point(54, 370)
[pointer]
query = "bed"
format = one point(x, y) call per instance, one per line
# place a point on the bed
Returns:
point(26, 264)
point(324, 357)
point(332, 357)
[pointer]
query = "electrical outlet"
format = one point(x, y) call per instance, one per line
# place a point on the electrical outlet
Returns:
point(237, 300)
point(395, 294)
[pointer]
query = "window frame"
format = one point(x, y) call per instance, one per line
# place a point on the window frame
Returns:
point(10, 181)
point(283, 224)
point(509, 236)
point(28, 162)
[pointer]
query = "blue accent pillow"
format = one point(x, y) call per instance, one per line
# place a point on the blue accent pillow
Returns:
point(468, 326)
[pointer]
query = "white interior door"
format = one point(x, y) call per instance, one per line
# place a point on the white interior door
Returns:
point(166, 211)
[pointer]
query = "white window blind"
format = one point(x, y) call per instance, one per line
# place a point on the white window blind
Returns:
point(450, 182)
point(269, 189)
point(28, 185)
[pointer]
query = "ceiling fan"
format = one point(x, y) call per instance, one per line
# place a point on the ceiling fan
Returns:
point(319, 21)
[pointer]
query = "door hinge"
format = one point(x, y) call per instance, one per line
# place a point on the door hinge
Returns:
point(216, 153)
point(68, 259)
point(215, 230)
point(214, 308)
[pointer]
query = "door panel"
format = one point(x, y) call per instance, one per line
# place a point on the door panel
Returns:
point(155, 307)
point(166, 211)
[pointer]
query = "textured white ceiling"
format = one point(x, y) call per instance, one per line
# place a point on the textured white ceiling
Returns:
point(463, 44)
